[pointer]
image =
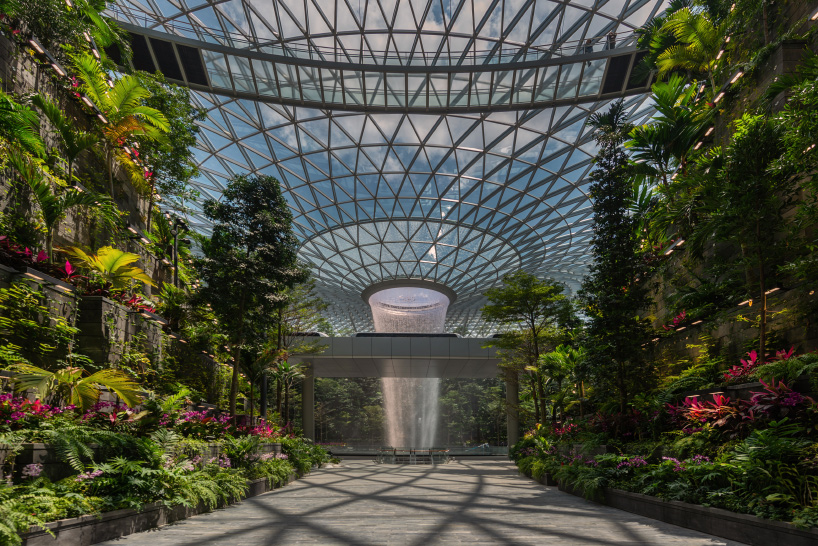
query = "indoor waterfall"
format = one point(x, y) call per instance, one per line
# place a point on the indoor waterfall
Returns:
point(411, 404)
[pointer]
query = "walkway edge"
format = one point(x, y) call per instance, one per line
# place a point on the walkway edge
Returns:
point(714, 521)
point(90, 529)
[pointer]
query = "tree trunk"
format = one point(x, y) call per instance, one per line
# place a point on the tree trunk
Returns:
point(251, 402)
point(762, 326)
point(541, 393)
point(286, 417)
point(234, 383)
point(49, 244)
point(109, 160)
point(534, 396)
point(150, 204)
point(278, 399)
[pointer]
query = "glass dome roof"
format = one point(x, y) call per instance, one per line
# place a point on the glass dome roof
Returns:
point(459, 199)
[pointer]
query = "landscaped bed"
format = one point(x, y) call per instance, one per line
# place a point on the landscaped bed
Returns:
point(756, 457)
point(159, 460)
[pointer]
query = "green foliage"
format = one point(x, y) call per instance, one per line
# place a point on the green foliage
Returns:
point(54, 205)
point(171, 159)
point(112, 266)
point(699, 38)
point(73, 386)
point(303, 454)
point(614, 293)
point(20, 126)
point(32, 330)
point(249, 260)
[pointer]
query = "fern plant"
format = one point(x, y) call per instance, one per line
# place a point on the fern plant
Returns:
point(74, 386)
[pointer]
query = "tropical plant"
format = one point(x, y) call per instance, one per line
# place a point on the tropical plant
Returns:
point(74, 385)
point(700, 38)
point(287, 374)
point(249, 261)
point(538, 314)
point(664, 144)
point(55, 205)
point(614, 294)
point(74, 140)
point(126, 115)
point(112, 265)
point(19, 125)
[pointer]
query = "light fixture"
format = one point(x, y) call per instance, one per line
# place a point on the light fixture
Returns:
point(720, 392)
point(33, 275)
point(720, 54)
point(709, 131)
point(102, 118)
point(698, 145)
point(809, 148)
point(771, 290)
point(697, 322)
point(87, 36)
point(719, 97)
point(36, 45)
point(145, 315)
point(745, 302)
point(814, 15)
point(132, 230)
point(95, 52)
point(58, 69)
point(681, 328)
point(182, 341)
point(171, 336)
point(736, 76)
point(69, 3)
point(87, 101)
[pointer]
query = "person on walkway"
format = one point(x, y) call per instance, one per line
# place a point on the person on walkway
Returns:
point(611, 40)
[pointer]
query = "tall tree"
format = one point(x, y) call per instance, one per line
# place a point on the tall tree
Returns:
point(536, 312)
point(748, 211)
point(170, 159)
point(249, 260)
point(614, 292)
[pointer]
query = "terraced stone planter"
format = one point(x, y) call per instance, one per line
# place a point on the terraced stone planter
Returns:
point(715, 521)
point(87, 530)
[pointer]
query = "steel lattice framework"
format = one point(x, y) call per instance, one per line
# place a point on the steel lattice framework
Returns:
point(458, 198)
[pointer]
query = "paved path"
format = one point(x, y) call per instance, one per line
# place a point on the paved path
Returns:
point(465, 502)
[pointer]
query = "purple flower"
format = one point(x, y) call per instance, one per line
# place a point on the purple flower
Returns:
point(89, 475)
point(32, 470)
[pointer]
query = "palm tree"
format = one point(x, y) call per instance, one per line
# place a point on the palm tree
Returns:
point(74, 141)
point(73, 385)
point(55, 205)
point(20, 126)
point(700, 38)
point(664, 144)
point(287, 374)
point(124, 110)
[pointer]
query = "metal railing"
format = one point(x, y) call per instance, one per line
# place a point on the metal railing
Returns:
point(404, 455)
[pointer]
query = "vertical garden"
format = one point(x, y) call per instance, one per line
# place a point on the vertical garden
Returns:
point(693, 374)
point(127, 379)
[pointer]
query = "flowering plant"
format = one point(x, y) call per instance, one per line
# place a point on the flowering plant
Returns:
point(17, 413)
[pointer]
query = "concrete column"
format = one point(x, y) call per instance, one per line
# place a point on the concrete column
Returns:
point(308, 402)
point(512, 407)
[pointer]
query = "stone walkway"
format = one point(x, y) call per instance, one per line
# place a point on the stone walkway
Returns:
point(471, 501)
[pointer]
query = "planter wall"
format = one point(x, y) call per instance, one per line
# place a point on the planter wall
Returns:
point(55, 468)
point(87, 530)
point(714, 521)
point(106, 326)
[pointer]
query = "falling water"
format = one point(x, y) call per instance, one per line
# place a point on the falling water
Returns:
point(411, 404)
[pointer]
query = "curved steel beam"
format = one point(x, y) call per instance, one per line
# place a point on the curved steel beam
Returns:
point(600, 73)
